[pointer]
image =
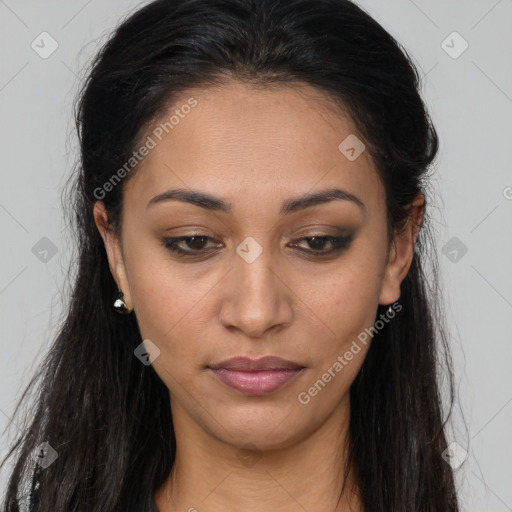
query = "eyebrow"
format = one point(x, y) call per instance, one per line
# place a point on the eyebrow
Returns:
point(212, 203)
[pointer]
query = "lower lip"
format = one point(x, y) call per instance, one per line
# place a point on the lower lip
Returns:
point(255, 382)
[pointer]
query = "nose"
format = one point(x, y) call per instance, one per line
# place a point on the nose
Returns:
point(256, 298)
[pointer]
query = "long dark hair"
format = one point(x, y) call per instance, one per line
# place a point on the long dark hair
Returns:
point(107, 415)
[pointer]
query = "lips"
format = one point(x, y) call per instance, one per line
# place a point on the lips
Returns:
point(256, 376)
point(247, 364)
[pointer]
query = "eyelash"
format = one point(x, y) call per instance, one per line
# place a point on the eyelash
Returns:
point(339, 243)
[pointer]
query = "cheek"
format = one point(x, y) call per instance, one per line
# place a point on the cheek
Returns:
point(166, 298)
point(343, 310)
point(344, 300)
point(170, 311)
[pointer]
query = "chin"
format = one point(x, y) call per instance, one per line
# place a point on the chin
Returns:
point(266, 428)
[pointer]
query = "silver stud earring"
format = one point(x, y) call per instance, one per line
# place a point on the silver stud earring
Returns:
point(120, 305)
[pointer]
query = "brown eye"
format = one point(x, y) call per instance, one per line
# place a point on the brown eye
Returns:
point(190, 245)
point(317, 244)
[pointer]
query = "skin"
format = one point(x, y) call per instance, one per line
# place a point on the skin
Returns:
point(257, 148)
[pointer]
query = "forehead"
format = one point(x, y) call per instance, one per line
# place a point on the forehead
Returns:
point(281, 140)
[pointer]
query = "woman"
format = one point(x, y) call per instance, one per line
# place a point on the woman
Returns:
point(251, 200)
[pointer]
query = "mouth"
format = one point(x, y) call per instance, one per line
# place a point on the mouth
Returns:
point(256, 376)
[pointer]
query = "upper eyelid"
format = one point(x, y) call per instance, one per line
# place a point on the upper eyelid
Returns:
point(310, 230)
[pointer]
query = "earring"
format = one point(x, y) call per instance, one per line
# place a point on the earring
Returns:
point(120, 305)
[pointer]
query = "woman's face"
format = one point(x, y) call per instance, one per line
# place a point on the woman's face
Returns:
point(254, 282)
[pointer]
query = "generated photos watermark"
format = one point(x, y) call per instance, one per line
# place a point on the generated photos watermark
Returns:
point(304, 397)
point(144, 150)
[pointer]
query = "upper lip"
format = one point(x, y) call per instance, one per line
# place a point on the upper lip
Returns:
point(264, 363)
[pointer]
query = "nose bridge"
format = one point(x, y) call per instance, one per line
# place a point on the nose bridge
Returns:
point(256, 275)
point(257, 300)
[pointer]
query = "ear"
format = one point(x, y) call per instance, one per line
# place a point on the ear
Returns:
point(113, 249)
point(401, 252)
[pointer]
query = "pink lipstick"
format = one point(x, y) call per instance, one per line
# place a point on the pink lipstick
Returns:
point(255, 376)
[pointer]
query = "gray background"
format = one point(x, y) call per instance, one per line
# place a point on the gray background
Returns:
point(470, 100)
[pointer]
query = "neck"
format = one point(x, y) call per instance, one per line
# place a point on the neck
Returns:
point(309, 474)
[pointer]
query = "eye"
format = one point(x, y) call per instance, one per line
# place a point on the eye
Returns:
point(195, 243)
point(317, 244)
